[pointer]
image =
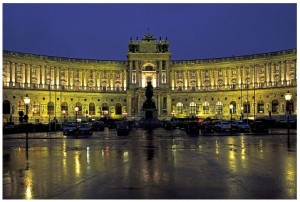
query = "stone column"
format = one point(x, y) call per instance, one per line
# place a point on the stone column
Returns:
point(25, 75)
point(82, 79)
point(124, 80)
point(30, 75)
point(100, 79)
point(268, 73)
point(158, 104)
point(44, 75)
point(271, 73)
point(129, 109)
point(159, 73)
point(16, 74)
point(228, 76)
point(168, 76)
point(54, 76)
point(200, 79)
point(40, 76)
point(11, 69)
point(130, 72)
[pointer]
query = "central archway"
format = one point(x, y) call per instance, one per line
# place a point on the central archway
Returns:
point(149, 74)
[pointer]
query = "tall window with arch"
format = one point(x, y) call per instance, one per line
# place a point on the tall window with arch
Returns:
point(6, 107)
point(64, 108)
point(118, 109)
point(193, 108)
point(205, 107)
point(260, 106)
point(79, 105)
point(21, 106)
point(275, 106)
point(36, 108)
point(50, 108)
point(179, 108)
point(92, 109)
point(233, 103)
point(105, 109)
point(219, 107)
point(246, 107)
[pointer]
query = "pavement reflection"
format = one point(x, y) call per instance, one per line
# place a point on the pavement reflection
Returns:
point(155, 164)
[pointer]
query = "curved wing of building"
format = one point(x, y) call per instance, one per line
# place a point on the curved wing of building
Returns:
point(254, 84)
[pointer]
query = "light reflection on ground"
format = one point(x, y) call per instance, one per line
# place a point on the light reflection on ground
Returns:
point(151, 165)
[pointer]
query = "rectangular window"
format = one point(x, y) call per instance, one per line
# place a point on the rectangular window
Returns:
point(164, 103)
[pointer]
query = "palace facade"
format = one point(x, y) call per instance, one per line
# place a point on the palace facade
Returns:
point(254, 84)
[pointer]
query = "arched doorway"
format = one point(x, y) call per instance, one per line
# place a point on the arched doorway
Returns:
point(149, 74)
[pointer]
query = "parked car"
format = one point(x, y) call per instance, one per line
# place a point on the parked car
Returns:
point(207, 127)
point(222, 126)
point(70, 129)
point(112, 125)
point(98, 126)
point(85, 129)
point(258, 126)
point(170, 125)
point(192, 128)
point(122, 129)
point(240, 126)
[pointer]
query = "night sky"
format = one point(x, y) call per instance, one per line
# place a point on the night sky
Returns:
point(102, 31)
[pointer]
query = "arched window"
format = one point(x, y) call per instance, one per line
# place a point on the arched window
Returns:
point(36, 108)
point(246, 106)
point(205, 107)
point(21, 106)
point(179, 108)
point(192, 108)
point(275, 106)
point(290, 106)
point(118, 109)
point(233, 103)
point(6, 107)
point(92, 109)
point(64, 108)
point(260, 106)
point(219, 107)
point(78, 104)
point(105, 109)
point(117, 85)
point(50, 108)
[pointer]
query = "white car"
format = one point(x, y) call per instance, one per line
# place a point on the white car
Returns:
point(223, 126)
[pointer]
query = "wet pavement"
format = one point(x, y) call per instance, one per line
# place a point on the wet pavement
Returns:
point(156, 164)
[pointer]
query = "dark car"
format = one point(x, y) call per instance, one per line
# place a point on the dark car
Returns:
point(122, 129)
point(192, 128)
point(98, 126)
point(170, 125)
point(70, 129)
point(112, 125)
point(258, 126)
point(85, 129)
point(207, 127)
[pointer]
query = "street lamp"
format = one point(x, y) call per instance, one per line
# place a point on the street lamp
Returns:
point(242, 116)
point(64, 113)
point(27, 101)
point(231, 108)
point(76, 110)
point(288, 97)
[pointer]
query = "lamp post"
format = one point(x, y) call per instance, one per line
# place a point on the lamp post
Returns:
point(64, 113)
point(288, 97)
point(27, 101)
point(242, 115)
point(76, 111)
point(230, 108)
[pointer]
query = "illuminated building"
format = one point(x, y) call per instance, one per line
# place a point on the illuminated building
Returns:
point(254, 84)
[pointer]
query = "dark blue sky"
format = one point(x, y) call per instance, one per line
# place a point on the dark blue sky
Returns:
point(102, 31)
